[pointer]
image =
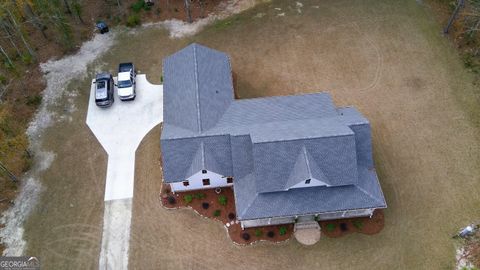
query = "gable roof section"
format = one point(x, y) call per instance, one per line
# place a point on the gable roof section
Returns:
point(306, 168)
point(197, 87)
point(332, 160)
point(190, 155)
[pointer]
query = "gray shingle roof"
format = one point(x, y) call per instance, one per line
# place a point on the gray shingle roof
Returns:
point(267, 144)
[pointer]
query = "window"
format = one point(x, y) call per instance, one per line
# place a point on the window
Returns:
point(229, 180)
point(307, 181)
point(206, 182)
point(204, 171)
point(186, 183)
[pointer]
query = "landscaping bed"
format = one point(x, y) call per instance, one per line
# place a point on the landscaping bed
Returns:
point(221, 206)
point(365, 225)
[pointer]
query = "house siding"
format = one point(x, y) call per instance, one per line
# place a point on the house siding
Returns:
point(196, 182)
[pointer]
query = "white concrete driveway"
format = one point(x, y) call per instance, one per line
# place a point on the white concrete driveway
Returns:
point(120, 129)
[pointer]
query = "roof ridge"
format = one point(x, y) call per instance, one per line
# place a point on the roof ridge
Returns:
point(302, 139)
point(197, 98)
point(304, 150)
point(202, 148)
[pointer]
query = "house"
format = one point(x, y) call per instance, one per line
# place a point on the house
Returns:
point(289, 158)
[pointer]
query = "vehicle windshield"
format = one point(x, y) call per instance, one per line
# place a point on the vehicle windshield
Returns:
point(100, 84)
point(123, 84)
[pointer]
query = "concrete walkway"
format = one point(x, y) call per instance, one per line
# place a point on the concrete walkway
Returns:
point(120, 129)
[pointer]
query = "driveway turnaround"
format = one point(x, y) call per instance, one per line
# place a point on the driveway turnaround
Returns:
point(120, 129)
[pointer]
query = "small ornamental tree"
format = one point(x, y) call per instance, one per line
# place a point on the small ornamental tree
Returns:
point(282, 230)
point(200, 196)
point(222, 200)
point(357, 224)
point(258, 233)
point(216, 213)
point(330, 227)
point(188, 198)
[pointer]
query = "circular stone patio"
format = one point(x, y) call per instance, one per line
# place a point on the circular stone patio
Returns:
point(307, 234)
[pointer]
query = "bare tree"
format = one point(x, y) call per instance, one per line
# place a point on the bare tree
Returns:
point(187, 9)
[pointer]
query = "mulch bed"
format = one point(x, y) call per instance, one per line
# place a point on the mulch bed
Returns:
point(340, 227)
point(226, 214)
point(200, 199)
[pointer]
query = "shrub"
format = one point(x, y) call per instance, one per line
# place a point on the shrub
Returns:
point(357, 224)
point(231, 216)
point(205, 205)
point(270, 234)
point(171, 200)
point(3, 79)
point(258, 233)
point(188, 198)
point(246, 236)
point(133, 20)
point(317, 218)
point(282, 230)
point(200, 196)
point(216, 213)
point(27, 59)
point(331, 227)
point(137, 6)
point(343, 227)
point(34, 101)
point(222, 200)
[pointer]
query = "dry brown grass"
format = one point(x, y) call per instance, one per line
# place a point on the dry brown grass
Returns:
point(386, 58)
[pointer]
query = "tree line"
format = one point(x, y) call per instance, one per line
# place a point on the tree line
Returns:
point(18, 18)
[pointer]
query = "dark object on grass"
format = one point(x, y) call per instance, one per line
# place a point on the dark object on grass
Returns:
point(205, 205)
point(102, 27)
point(246, 236)
point(231, 216)
point(270, 234)
point(171, 200)
point(343, 227)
